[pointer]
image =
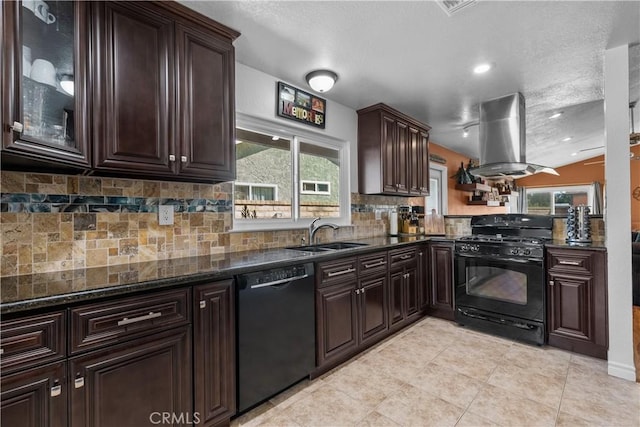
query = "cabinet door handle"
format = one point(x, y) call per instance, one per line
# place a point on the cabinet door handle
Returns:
point(172, 158)
point(340, 273)
point(17, 127)
point(379, 263)
point(563, 262)
point(203, 304)
point(56, 390)
point(551, 283)
point(78, 382)
point(183, 159)
point(1, 350)
point(127, 321)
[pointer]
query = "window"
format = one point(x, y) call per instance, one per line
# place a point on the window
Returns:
point(556, 200)
point(437, 198)
point(288, 176)
point(315, 187)
point(256, 191)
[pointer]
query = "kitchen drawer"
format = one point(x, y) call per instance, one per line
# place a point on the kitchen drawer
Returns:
point(338, 271)
point(569, 261)
point(401, 256)
point(32, 340)
point(100, 324)
point(373, 263)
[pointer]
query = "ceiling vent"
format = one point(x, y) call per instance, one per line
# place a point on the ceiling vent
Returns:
point(453, 6)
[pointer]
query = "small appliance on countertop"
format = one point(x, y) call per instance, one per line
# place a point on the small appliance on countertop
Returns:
point(578, 224)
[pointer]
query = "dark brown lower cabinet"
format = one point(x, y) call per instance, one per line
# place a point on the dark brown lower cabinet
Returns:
point(577, 301)
point(424, 293)
point(403, 281)
point(372, 308)
point(214, 352)
point(133, 383)
point(337, 322)
point(440, 267)
point(35, 397)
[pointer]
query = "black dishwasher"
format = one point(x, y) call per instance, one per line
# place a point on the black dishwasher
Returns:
point(276, 331)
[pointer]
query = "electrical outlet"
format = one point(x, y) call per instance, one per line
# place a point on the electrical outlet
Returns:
point(165, 215)
point(378, 214)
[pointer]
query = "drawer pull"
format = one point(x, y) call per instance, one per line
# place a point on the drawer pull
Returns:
point(379, 263)
point(78, 382)
point(127, 321)
point(340, 273)
point(406, 256)
point(56, 390)
point(563, 262)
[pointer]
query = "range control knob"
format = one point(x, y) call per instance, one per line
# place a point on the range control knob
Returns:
point(527, 252)
point(464, 247)
point(514, 251)
point(474, 248)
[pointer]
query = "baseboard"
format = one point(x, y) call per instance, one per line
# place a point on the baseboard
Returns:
point(627, 372)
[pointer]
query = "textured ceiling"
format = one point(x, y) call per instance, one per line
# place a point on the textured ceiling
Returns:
point(412, 56)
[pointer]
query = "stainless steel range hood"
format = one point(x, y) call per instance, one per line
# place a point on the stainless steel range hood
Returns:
point(502, 140)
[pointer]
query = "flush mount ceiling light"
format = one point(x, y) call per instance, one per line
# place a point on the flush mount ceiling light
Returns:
point(482, 68)
point(566, 139)
point(556, 115)
point(321, 80)
point(465, 130)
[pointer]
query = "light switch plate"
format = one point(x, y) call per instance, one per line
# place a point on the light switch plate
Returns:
point(165, 215)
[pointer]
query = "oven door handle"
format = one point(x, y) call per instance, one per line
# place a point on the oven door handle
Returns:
point(518, 260)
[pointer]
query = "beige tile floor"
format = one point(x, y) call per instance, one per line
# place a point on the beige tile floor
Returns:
point(437, 373)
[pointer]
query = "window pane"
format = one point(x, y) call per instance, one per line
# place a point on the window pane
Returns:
point(323, 188)
point(564, 199)
point(263, 168)
point(320, 164)
point(308, 186)
point(539, 203)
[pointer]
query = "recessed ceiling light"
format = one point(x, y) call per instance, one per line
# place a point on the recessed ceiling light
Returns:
point(556, 115)
point(574, 154)
point(482, 68)
point(566, 139)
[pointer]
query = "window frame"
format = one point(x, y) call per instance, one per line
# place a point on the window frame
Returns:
point(254, 184)
point(587, 188)
point(297, 135)
point(316, 191)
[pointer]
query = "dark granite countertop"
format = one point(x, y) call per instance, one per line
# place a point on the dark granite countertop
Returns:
point(36, 291)
point(595, 245)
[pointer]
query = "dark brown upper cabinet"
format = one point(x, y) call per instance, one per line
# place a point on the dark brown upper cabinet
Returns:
point(165, 92)
point(393, 153)
point(45, 85)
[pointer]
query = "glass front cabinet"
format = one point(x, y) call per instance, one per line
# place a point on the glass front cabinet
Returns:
point(44, 81)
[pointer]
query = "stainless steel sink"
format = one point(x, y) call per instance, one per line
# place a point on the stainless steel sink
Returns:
point(328, 247)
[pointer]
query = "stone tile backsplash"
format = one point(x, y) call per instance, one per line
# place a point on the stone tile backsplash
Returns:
point(60, 222)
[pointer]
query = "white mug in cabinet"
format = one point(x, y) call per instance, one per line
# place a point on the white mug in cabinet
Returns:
point(43, 71)
point(41, 10)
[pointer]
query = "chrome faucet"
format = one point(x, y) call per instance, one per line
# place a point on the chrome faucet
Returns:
point(313, 229)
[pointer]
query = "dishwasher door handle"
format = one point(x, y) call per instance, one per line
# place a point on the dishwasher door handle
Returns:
point(279, 282)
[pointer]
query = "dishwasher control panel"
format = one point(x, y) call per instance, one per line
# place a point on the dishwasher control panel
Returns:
point(279, 275)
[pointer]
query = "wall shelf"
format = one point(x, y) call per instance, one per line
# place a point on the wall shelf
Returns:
point(474, 187)
point(485, 203)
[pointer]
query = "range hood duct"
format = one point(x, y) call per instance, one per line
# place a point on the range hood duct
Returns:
point(502, 140)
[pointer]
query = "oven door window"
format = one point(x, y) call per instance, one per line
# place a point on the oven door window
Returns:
point(496, 283)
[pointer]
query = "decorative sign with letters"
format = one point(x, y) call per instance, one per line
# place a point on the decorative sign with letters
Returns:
point(298, 105)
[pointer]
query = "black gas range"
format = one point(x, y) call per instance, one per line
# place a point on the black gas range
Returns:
point(499, 275)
